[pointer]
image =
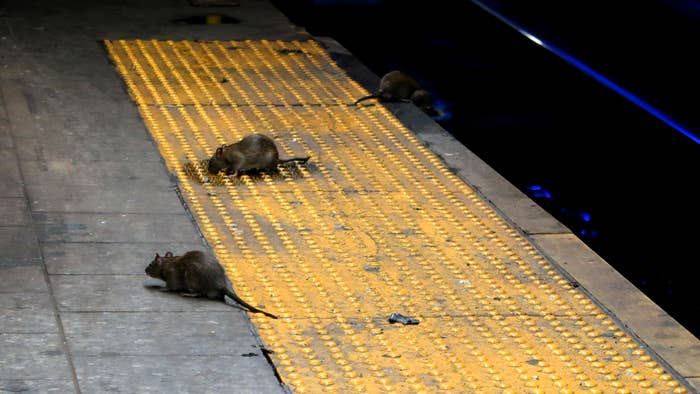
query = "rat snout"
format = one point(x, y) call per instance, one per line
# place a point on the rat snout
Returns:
point(211, 167)
point(215, 165)
point(431, 111)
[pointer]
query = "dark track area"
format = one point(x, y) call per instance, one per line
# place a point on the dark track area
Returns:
point(618, 177)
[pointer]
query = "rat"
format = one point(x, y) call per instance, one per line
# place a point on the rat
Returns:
point(399, 86)
point(196, 274)
point(253, 152)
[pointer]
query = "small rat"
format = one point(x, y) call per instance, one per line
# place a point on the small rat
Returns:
point(253, 152)
point(399, 86)
point(196, 274)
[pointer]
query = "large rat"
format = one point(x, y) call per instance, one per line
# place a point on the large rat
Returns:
point(253, 152)
point(196, 274)
point(399, 86)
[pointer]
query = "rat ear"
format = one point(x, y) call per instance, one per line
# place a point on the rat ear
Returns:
point(168, 254)
point(219, 153)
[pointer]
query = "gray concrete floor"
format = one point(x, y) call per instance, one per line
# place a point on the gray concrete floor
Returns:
point(86, 201)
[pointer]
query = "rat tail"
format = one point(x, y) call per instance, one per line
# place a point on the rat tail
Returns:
point(299, 159)
point(251, 308)
point(371, 96)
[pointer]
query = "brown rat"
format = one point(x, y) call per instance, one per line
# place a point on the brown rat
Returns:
point(253, 152)
point(196, 274)
point(399, 86)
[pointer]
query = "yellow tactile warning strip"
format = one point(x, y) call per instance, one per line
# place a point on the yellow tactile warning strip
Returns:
point(375, 224)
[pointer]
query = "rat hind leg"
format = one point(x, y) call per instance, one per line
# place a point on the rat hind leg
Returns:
point(215, 295)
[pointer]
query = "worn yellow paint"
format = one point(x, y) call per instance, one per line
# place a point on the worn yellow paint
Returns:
point(375, 224)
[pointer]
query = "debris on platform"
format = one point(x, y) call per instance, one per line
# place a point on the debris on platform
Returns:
point(286, 51)
point(198, 173)
point(405, 320)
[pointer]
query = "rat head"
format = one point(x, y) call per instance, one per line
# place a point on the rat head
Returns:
point(217, 162)
point(155, 269)
point(423, 100)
